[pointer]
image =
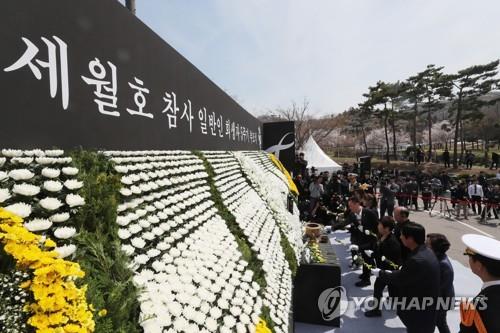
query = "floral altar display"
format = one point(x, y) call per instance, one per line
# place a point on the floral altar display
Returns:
point(146, 241)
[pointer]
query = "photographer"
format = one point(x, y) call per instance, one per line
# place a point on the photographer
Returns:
point(427, 194)
point(492, 202)
point(462, 200)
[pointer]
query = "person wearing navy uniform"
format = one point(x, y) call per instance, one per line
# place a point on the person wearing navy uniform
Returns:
point(483, 314)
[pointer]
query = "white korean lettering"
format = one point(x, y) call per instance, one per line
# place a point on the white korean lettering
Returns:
point(171, 109)
point(202, 115)
point(139, 98)
point(51, 64)
point(105, 91)
point(187, 113)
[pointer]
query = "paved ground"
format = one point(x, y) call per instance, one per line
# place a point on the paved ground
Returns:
point(454, 228)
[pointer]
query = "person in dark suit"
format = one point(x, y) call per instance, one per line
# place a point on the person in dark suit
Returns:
point(417, 282)
point(401, 215)
point(388, 197)
point(446, 158)
point(482, 315)
point(439, 244)
point(364, 225)
point(388, 257)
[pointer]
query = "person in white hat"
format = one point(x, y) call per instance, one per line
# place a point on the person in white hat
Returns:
point(483, 314)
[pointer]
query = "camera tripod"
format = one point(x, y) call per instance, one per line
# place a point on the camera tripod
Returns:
point(443, 206)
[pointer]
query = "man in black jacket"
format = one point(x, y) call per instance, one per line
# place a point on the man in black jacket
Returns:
point(364, 232)
point(388, 257)
point(417, 282)
point(481, 315)
point(388, 197)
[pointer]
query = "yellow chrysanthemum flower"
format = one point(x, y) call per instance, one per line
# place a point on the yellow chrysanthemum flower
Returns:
point(57, 298)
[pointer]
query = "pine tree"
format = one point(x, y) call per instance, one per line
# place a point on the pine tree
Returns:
point(470, 84)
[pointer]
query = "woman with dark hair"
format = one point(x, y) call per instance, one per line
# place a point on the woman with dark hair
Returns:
point(370, 202)
point(439, 244)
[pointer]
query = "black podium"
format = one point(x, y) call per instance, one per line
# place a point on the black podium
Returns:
point(311, 280)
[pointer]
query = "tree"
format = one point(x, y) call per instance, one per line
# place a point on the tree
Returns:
point(435, 87)
point(378, 96)
point(395, 92)
point(470, 84)
point(357, 122)
point(414, 90)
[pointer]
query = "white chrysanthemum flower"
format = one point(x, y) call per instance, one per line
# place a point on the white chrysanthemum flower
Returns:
point(20, 209)
point(38, 225)
point(158, 265)
point(180, 324)
point(138, 242)
point(59, 218)
point(65, 250)
point(134, 228)
point(12, 152)
point(3, 175)
point(122, 220)
point(75, 200)
point(151, 326)
point(70, 171)
point(52, 186)
point(121, 168)
point(153, 253)
point(2, 161)
point(65, 232)
point(54, 152)
point(211, 324)
point(21, 174)
point(45, 160)
point(141, 259)
point(124, 233)
point(34, 152)
point(50, 172)
point(229, 321)
point(22, 160)
point(73, 184)
point(128, 249)
point(125, 192)
point(4, 194)
point(50, 203)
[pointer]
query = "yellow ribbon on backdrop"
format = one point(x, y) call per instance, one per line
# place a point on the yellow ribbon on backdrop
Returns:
point(291, 184)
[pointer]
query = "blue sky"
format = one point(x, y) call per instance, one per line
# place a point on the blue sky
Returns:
point(267, 53)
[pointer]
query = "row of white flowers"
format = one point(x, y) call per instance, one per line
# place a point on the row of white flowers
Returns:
point(185, 258)
point(264, 162)
point(275, 192)
point(260, 227)
point(41, 187)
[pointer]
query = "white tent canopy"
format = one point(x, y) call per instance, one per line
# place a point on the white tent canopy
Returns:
point(316, 157)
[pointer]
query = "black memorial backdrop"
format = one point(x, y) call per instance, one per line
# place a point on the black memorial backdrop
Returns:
point(279, 138)
point(89, 73)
